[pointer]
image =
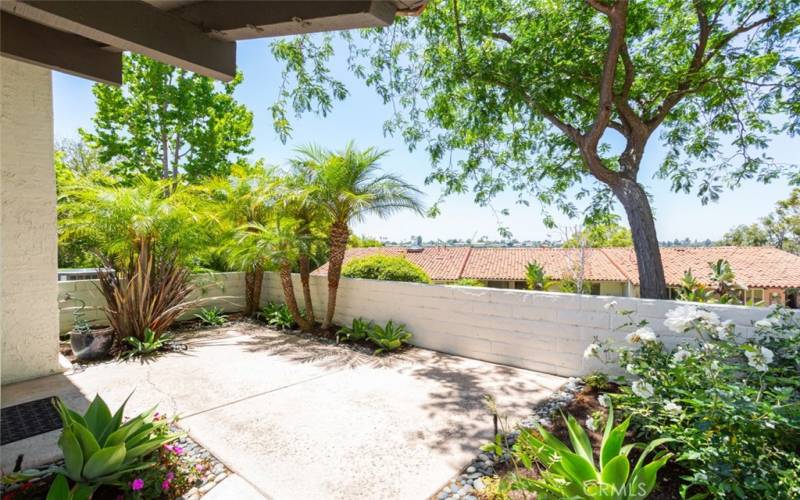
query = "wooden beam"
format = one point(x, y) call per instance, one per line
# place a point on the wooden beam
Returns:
point(36, 44)
point(135, 26)
point(239, 20)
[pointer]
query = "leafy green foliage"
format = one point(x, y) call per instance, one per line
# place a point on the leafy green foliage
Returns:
point(164, 122)
point(535, 277)
point(780, 229)
point(691, 290)
point(730, 402)
point(113, 220)
point(385, 268)
point(150, 343)
point(388, 337)
point(278, 315)
point(601, 235)
point(212, 316)
point(357, 331)
point(573, 473)
point(355, 241)
point(99, 448)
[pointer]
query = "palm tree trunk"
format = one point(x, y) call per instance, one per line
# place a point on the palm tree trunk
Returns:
point(338, 244)
point(288, 295)
point(252, 284)
point(305, 279)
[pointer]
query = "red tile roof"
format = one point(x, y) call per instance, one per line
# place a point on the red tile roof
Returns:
point(762, 267)
point(510, 263)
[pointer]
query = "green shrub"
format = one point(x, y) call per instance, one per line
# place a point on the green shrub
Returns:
point(99, 448)
point(357, 331)
point(469, 282)
point(573, 473)
point(385, 268)
point(278, 315)
point(389, 337)
point(731, 404)
point(211, 317)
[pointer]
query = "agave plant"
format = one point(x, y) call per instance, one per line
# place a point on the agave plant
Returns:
point(573, 473)
point(389, 337)
point(278, 315)
point(99, 448)
point(148, 345)
point(213, 316)
point(357, 331)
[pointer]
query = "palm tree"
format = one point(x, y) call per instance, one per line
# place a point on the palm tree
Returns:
point(350, 186)
point(246, 197)
point(277, 242)
point(148, 235)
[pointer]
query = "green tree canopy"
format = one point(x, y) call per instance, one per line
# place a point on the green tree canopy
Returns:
point(602, 234)
point(164, 121)
point(780, 229)
point(530, 92)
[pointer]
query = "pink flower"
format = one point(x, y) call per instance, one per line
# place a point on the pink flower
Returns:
point(199, 467)
point(137, 484)
point(170, 476)
point(165, 485)
point(174, 448)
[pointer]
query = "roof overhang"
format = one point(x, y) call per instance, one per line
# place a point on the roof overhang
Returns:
point(87, 38)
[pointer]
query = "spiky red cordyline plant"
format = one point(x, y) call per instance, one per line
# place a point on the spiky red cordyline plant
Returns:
point(152, 293)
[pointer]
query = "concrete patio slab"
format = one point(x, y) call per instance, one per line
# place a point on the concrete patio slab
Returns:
point(299, 419)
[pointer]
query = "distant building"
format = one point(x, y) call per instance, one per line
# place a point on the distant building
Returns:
point(770, 275)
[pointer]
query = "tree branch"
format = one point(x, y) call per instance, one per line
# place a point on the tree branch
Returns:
point(699, 60)
point(617, 16)
point(503, 36)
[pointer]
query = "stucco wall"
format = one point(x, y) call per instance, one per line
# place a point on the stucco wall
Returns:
point(28, 263)
point(543, 331)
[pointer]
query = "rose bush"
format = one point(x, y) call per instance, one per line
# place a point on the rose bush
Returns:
point(730, 403)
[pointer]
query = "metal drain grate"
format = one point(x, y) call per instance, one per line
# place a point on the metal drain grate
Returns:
point(28, 419)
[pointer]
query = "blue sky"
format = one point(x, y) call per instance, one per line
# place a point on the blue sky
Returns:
point(360, 117)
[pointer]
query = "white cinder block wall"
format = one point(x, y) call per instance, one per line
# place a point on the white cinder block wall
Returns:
point(543, 331)
point(28, 262)
point(222, 290)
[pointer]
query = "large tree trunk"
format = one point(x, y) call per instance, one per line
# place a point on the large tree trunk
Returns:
point(338, 244)
point(645, 242)
point(288, 295)
point(305, 279)
point(252, 285)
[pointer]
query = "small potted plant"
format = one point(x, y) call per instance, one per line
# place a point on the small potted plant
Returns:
point(87, 344)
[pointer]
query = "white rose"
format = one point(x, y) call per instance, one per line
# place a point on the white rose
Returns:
point(642, 389)
point(591, 351)
point(641, 335)
point(763, 324)
point(673, 407)
point(680, 355)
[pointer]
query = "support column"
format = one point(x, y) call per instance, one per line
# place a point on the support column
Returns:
point(28, 233)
